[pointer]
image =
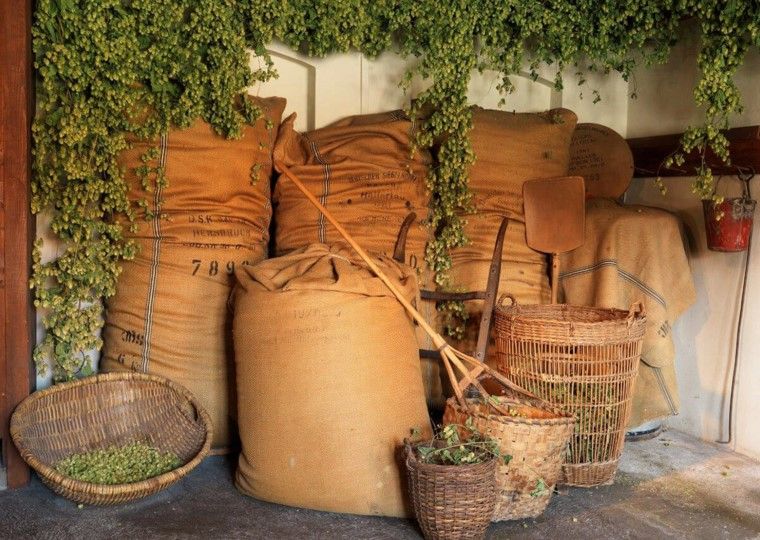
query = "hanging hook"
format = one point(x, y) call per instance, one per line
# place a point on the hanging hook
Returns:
point(745, 174)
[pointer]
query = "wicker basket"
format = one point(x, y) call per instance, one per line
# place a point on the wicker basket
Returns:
point(583, 360)
point(107, 410)
point(452, 501)
point(536, 438)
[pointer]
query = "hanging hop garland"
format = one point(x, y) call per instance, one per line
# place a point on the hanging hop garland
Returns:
point(112, 68)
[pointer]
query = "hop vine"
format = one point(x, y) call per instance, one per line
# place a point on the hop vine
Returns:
point(109, 69)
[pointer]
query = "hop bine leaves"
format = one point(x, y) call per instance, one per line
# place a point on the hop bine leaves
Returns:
point(457, 444)
point(113, 69)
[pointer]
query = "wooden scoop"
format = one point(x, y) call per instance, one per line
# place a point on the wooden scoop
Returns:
point(555, 216)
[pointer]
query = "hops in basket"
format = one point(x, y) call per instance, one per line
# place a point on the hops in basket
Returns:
point(125, 464)
point(457, 444)
point(452, 482)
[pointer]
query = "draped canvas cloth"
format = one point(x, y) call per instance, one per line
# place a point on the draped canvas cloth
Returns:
point(636, 253)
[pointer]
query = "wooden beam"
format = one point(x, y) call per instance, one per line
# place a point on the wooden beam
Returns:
point(16, 225)
point(650, 152)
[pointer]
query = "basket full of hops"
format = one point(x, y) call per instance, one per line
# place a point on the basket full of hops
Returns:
point(452, 482)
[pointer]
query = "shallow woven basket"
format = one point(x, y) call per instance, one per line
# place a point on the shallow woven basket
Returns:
point(583, 360)
point(110, 410)
point(452, 501)
point(536, 438)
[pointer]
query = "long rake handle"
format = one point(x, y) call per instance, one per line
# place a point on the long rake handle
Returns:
point(435, 336)
point(450, 356)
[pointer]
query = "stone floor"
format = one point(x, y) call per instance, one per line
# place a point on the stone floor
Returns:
point(670, 487)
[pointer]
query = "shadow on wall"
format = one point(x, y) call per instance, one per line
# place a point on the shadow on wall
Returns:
point(704, 335)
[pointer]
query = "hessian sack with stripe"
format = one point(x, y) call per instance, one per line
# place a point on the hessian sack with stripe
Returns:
point(510, 148)
point(361, 169)
point(169, 316)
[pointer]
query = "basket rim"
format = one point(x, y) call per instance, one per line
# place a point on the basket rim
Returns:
point(561, 417)
point(518, 311)
point(109, 490)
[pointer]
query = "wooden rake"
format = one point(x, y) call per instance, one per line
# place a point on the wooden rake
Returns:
point(452, 358)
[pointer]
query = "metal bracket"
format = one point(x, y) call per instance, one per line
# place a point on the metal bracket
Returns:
point(488, 295)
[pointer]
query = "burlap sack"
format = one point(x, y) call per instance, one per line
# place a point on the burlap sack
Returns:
point(328, 382)
point(169, 315)
point(510, 148)
point(636, 254)
point(360, 168)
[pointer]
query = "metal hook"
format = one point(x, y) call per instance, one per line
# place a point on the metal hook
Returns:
point(745, 174)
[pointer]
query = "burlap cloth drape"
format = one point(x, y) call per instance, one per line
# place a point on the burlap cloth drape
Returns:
point(636, 253)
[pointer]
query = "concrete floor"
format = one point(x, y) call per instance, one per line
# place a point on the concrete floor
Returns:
point(670, 487)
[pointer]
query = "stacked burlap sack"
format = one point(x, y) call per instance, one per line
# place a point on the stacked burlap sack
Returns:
point(360, 168)
point(326, 362)
point(510, 148)
point(169, 315)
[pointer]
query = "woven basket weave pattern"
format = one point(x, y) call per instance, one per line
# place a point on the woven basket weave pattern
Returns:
point(110, 410)
point(452, 501)
point(537, 444)
point(584, 361)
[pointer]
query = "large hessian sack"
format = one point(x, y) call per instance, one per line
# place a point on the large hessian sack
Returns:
point(510, 148)
point(360, 168)
point(328, 382)
point(169, 315)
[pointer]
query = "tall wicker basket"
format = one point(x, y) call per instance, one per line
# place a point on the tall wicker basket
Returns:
point(583, 360)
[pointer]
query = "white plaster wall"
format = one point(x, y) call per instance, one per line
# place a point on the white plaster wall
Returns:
point(705, 335)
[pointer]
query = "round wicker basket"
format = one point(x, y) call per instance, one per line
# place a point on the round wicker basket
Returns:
point(536, 438)
point(110, 410)
point(452, 501)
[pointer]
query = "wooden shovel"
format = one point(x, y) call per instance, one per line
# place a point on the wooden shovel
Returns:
point(555, 216)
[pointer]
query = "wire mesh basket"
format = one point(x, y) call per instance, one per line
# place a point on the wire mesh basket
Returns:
point(583, 360)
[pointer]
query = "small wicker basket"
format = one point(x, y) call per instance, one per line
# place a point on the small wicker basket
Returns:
point(536, 438)
point(583, 360)
point(452, 501)
point(110, 410)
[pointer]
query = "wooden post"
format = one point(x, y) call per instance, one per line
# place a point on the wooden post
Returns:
point(16, 225)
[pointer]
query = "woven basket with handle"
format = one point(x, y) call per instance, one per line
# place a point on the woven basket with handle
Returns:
point(583, 360)
point(536, 437)
point(110, 410)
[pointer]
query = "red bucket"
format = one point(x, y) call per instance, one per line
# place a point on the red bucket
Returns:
point(728, 224)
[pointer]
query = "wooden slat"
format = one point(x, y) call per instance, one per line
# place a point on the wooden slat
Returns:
point(3, 363)
point(650, 152)
point(16, 313)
